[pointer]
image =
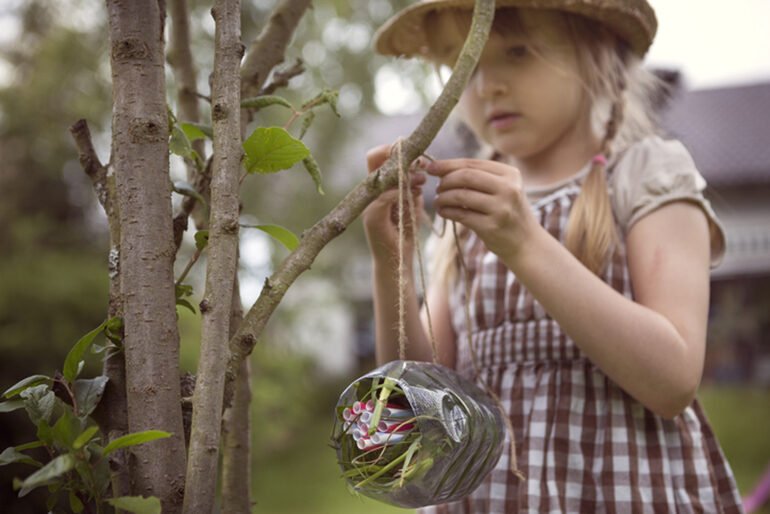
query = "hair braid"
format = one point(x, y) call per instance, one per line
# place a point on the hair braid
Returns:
point(591, 234)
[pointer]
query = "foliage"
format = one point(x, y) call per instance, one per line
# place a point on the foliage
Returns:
point(60, 407)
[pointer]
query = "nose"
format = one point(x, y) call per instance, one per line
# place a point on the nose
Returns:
point(490, 81)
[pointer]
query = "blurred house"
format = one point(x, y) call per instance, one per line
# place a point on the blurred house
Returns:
point(727, 130)
point(728, 134)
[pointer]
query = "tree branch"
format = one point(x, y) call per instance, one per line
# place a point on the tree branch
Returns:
point(281, 78)
point(354, 203)
point(269, 48)
point(200, 487)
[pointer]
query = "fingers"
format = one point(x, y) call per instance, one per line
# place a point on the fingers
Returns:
point(377, 156)
point(467, 178)
point(466, 199)
point(446, 166)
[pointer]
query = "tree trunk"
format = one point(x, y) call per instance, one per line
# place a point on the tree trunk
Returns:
point(140, 163)
point(222, 261)
point(236, 428)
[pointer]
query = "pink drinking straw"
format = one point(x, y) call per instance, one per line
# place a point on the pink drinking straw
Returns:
point(358, 407)
point(394, 426)
point(387, 437)
point(365, 443)
point(347, 414)
point(393, 412)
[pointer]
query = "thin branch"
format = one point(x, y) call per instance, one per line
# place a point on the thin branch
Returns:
point(222, 262)
point(281, 78)
point(269, 48)
point(354, 203)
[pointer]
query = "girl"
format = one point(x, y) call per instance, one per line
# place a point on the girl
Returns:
point(587, 242)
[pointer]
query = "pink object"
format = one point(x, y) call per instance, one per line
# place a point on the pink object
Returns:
point(348, 415)
point(394, 426)
point(366, 417)
point(760, 495)
point(358, 407)
point(600, 159)
point(365, 443)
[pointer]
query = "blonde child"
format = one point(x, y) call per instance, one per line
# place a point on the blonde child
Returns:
point(588, 244)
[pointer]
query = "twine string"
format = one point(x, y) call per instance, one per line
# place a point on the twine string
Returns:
point(405, 190)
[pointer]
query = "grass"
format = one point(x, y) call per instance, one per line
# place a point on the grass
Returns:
point(306, 478)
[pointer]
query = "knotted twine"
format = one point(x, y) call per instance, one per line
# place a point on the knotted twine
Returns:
point(403, 191)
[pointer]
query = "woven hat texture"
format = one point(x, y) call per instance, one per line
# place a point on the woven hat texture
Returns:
point(632, 20)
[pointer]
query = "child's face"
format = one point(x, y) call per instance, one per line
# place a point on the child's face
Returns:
point(525, 96)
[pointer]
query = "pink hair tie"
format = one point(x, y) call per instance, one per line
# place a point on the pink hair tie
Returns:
point(599, 159)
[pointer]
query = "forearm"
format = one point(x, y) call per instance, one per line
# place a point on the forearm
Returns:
point(386, 319)
point(635, 346)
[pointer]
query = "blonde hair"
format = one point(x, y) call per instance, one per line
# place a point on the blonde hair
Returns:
point(620, 91)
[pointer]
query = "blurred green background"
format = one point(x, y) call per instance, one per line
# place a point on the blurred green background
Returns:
point(54, 70)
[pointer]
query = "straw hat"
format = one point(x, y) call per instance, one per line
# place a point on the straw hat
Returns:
point(633, 20)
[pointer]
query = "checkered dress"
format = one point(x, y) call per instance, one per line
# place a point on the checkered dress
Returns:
point(582, 442)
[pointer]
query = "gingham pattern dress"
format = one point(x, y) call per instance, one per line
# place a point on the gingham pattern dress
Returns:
point(582, 442)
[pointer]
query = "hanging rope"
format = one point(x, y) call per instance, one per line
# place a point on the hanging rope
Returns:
point(404, 191)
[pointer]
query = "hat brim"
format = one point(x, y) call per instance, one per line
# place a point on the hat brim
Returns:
point(632, 20)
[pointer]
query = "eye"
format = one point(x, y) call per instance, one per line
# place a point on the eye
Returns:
point(517, 51)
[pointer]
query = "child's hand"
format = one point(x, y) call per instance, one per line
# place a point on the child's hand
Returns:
point(381, 216)
point(487, 197)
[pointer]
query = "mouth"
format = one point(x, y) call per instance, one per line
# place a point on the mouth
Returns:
point(500, 119)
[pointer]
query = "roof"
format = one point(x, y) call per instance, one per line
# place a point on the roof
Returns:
point(727, 131)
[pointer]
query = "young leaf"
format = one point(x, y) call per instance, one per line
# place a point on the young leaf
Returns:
point(75, 504)
point(179, 144)
point(136, 504)
point(183, 188)
point(11, 454)
point(284, 236)
point(309, 117)
point(133, 439)
point(260, 102)
point(85, 436)
point(66, 430)
point(24, 384)
point(27, 446)
point(315, 172)
point(50, 471)
point(184, 303)
point(88, 393)
point(39, 401)
point(201, 239)
point(113, 329)
point(195, 131)
point(272, 149)
point(72, 361)
point(44, 432)
point(11, 405)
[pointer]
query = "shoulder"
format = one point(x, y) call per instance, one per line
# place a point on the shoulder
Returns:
point(654, 172)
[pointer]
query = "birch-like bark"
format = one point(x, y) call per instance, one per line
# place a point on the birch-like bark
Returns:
point(140, 162)
point(334, 223)
point(110, 414)
point(222, 260)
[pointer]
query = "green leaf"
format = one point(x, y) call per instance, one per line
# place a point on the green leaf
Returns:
point(179, 144)
point(309, 117)
point(285, 236)
point(47, 473)
point(24, 384)
point(11, 405)
point(39, 401)
point(44, 432)
point(184, 303)
point(66, 430)
point(195, 131)
point(75, 504)
point(113, 329)
point(71, 363)
point(260, 102)
point(12, 454)
point(84, 437)
point(315, 172)
point(134, 439)
point(27, 446)
point(327, 96)
point(272, 149)
point(136, 504)
point(88, 393)
point(183, 188)
point(51, 502)
point(201, 239)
